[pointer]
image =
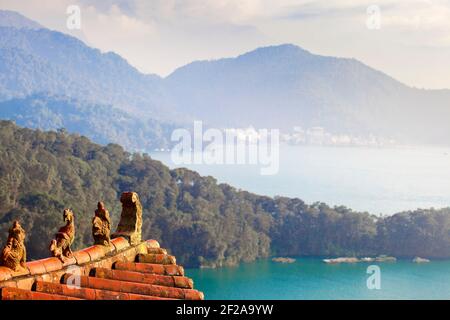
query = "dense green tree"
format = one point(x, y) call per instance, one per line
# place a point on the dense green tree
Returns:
point(202, 222)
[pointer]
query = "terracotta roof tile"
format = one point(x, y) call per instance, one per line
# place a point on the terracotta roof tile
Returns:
point(88, 293)
point(24, 283)
point(156, 258)
point(183, 282)
point(120, 243)
point(52, 264)
point(156, 250)
point(148, 278)
point(170, 270)
point(94, 252)
point(5, 273)
point(138, 288)
point(36, 267)
point(81, 257)
point(124, 267)
point(64, 290)
point(102, 273)
point(9, 293)
point(152, 243)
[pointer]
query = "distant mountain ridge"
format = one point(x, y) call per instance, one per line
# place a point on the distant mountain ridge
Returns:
point(286, 86)
point(280, 87)
point(48, 61)
point(50, 80)
point(102, 123)
point(14, 19)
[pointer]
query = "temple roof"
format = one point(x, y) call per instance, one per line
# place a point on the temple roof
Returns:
point(119, 272)
point(117, 267)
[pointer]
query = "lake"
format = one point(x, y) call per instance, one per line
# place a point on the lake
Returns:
point(310, 278)
point(376, 180)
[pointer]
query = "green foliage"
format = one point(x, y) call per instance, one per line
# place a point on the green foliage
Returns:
point(101, 123)
point(200, 221)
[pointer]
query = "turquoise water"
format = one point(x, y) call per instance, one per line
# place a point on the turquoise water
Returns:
point(310, 278)
point(377, 180)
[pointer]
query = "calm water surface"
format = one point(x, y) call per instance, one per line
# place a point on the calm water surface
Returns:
point(385, 181)
point(310, 278)
point(377, 180)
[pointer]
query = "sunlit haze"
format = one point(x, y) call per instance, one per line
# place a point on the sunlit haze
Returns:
point(157, 36)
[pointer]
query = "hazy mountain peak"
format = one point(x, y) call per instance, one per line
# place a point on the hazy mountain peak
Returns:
point(16, 20)
point(279, 86)
point(42, 60)
point(276, 51)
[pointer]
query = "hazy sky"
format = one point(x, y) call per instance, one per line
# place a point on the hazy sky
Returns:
point(157, 36)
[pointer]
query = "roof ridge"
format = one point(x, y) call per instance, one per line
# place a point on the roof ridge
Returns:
point(114, 275)
point(121, 266)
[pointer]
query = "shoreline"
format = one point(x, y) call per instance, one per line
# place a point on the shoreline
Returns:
point(299, 259)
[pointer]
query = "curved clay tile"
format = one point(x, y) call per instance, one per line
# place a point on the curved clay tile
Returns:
point(126, 269)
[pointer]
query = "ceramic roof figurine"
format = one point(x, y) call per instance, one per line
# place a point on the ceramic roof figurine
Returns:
point(128, 269)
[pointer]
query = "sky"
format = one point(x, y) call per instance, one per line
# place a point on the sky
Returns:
point(407, 39)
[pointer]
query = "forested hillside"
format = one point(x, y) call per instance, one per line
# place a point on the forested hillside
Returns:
point(101, 123)
point(200, 221)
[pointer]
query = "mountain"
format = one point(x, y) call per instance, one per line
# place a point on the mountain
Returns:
point(280, 87)
point(49, 80)
point(14, 19)
point(202, 222)
point(102, 123)
point(285, 86)
point(50, 62)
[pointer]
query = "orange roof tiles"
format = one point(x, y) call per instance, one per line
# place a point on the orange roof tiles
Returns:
point(170, 270)
point(119, 272)
point(21, 294)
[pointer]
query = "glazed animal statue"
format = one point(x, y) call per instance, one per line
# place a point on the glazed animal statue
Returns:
point(101, 226)
point(60, 246)
point(14, 254)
